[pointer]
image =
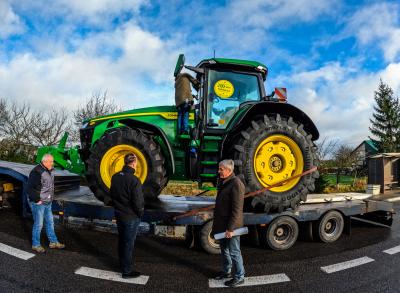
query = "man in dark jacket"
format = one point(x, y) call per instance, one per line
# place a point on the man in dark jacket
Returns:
point(184, 99)
point(228, 216)
point(40, 190)
point(127, 198)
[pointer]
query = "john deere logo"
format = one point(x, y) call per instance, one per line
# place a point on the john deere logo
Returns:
point(224, 89)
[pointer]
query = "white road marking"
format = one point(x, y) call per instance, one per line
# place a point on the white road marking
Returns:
point(16, 252)
point(392, 250)
point(252, 281)
point(347, 265)
point(393, 199)
point(111, 276)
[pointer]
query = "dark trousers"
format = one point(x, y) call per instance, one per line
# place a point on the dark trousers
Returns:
point(127, 231)
point(183, 118)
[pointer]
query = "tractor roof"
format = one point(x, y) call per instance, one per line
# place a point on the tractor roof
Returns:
point(236, 62)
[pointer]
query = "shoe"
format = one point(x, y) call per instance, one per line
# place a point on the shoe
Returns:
point(234, 282)
point(133, 274)
point(39, 249)
point(56, 245)
point(222, 276)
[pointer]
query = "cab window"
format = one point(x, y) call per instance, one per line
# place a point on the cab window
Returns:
point(226, 91)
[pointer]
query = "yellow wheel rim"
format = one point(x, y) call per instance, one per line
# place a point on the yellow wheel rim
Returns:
point(113, 161)
point(277, 158)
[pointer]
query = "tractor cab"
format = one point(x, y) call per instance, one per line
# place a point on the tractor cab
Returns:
point(226, 86)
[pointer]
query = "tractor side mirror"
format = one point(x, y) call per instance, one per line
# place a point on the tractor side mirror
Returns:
point(179, 64)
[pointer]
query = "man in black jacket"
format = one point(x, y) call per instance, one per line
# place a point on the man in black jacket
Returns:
point(127, 197)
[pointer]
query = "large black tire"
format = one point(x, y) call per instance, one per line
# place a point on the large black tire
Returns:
point(281, 233)
point(329, 228)
point(207, 242)
point(244, 150)
point(144, 147)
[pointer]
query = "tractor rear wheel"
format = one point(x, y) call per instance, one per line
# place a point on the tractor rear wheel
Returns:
point(107, 158)
point(270, 150)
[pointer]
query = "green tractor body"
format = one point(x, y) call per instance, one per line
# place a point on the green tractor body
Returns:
point(233, 118)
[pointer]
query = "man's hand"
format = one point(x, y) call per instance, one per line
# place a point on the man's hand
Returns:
point(39, 202)
point(228, 234)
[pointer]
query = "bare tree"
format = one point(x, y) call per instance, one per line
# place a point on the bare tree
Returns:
point(97, 105)
point(47, 128)
point(344, 158)
point(326, 150)
point(14, 132)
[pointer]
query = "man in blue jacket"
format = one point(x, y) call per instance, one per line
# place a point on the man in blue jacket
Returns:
point(40, 192)
point(127, 198)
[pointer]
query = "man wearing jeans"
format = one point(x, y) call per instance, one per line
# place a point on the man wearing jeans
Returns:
point(228, 216)
point(127, 199)
point(40, 191)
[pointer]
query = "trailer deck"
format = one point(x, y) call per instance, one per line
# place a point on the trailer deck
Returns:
point(73, 200)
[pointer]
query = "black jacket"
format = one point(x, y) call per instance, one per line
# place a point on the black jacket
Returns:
point(228, 211)
point(126, 194)
point(40, 184)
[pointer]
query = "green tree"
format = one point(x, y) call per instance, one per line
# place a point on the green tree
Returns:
point(386, 120)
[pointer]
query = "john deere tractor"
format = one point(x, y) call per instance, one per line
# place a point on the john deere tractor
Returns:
point(233, 117)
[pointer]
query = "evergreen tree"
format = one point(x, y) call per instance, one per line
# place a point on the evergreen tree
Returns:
point(386, 120)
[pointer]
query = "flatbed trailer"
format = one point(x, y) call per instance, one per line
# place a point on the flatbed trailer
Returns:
point(324, 220)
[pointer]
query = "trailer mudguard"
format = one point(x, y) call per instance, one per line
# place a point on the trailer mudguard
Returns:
point(155, 130)
point(268, 107)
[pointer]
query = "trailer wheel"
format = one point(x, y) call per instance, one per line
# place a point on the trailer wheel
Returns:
point(281, 234)
point(329, 228)
point(207, 242)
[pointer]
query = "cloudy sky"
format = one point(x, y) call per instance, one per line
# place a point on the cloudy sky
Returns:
point(329, 54)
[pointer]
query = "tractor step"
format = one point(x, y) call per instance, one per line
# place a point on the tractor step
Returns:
point(207, 163)
point(208, 137)
point(209, 150)
point(208, 175)
point(184, 136)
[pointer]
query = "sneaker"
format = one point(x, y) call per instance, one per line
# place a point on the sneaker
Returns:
point(222, 276)
point(38, 249)
point(133, 274)
point(234, 282)
point(56, 245)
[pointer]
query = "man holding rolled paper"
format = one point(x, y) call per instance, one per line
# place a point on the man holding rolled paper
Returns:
point(228, 217)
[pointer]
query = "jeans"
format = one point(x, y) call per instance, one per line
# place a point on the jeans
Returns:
point(230, 250)
point(127, 231)
point(183, 118)
point(42, 212)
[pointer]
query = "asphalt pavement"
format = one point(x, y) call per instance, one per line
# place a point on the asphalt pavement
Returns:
point(368, 260)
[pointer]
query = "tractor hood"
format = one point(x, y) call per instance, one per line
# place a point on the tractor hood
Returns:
point(167, 112)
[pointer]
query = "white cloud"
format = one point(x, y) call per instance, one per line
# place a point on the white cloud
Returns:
point(141, 75)
point(10, 23)
point(339, 102)
point(378, 24)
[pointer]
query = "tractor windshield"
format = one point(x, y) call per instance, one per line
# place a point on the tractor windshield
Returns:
point(226, 91)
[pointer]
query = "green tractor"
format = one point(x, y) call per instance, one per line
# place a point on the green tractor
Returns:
point(268, 139)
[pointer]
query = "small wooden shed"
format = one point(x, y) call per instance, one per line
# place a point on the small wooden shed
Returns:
point(384, 169)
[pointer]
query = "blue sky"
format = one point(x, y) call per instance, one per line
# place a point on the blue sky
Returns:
point(329, 54)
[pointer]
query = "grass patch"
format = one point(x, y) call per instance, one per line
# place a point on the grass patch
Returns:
point(187, 188)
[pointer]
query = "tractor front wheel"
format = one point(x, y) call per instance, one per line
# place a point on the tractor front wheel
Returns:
point(107, 158)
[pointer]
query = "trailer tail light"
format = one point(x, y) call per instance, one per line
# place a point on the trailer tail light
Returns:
point(281, 93)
